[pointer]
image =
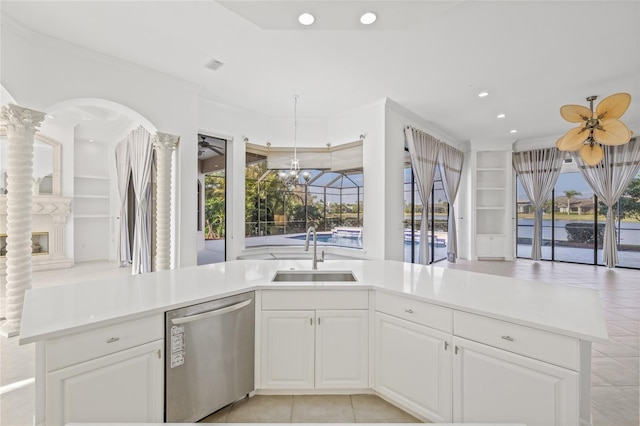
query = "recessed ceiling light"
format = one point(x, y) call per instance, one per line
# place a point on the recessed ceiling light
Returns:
point(483, 94)
point(368, 18)
point(214, 64)
point(513, 131)
point(90, 140)
point(501, 115)
point(306, 18)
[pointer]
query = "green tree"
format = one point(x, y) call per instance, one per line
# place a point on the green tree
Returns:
point(629, 202)
point(214, 206)
point(570, 193)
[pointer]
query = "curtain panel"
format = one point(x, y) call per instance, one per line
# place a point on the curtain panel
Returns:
point(608, 180)
point(141, 155)
point(451, 161)
point(538, 171)
point(423, 150)
point(123, 172)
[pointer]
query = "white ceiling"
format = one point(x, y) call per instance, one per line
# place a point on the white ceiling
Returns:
point(431, 57)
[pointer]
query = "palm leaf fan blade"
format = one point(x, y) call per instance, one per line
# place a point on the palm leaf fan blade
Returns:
point(573, 139)
point(612, 132)
point(613, 106)
point(591, 154)
point(575, 113)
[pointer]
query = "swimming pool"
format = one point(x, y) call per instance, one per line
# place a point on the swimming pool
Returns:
point(329, 240)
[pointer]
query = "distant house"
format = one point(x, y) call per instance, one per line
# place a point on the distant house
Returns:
point(524, 206)
point(578, 205)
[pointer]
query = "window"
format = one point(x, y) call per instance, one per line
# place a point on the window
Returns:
point(436, 213)
point(279, 215)
point(574, 221)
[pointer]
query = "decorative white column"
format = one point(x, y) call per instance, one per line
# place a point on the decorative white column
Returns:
point(21, 124)
point(164, 144)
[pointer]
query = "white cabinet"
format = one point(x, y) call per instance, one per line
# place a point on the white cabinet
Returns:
point(125, 386)
point(113, 373)
point(311, 340)
point(493, 204)
point(413, 366)
point(342, 349)
point(495, 386)
point(288, 341)
point(490, 246)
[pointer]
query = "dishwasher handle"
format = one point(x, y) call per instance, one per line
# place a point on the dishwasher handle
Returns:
point(209, 314)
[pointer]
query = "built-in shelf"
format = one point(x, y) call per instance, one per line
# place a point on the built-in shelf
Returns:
point(92, 177)
point(91, 216)
point(492, 185)
point(93, 196)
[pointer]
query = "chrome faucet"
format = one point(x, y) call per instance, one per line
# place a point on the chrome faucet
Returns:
point(315, 247)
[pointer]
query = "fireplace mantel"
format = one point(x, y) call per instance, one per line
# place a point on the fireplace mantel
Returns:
point(49, 215)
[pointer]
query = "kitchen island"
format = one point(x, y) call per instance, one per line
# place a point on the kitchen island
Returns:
point(439, 343)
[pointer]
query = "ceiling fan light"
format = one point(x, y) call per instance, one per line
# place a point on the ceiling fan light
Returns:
point(613, 106)
point(575, 113)
point(613, 132)
point(591, 154)
point(573, 139)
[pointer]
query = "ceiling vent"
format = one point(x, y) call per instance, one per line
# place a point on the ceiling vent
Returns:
point(214, 65)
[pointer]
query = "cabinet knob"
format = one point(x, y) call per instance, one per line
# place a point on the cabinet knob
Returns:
point(508, 338)
point(112, 339)
point(409, 311)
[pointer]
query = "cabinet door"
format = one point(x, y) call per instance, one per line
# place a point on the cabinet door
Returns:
point(495, 386)
point(127, 387)
point(287, 349)
point(490, 246)
point(342, 349)
point(413, 366)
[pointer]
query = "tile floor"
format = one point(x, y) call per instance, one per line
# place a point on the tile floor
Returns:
point(311, 409)
point(616, 366)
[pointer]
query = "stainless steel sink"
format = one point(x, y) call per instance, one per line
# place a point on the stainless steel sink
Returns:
point(310, 276)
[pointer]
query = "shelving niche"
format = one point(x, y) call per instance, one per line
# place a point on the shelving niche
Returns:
point(91, 202)
point(492, 207)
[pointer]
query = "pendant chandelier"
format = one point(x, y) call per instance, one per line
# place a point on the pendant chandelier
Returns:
point(599, 127)
point(292, 176)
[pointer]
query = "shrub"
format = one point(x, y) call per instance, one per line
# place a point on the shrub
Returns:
point(583, 232)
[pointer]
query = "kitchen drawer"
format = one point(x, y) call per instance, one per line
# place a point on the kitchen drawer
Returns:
point(433, 316)
point(541, 345)
point(86, 345)
point(314, 299)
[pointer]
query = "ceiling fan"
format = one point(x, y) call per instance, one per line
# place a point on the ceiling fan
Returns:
point(204, 144)
point(599, 127)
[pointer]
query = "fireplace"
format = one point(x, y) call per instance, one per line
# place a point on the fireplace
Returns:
point(48, 238)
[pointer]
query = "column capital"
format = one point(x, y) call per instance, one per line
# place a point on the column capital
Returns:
point(16, 117)
point(165, 141)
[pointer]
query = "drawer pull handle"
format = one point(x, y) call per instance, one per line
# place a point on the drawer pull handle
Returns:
point(112, 339)
point(446, 345)
point(509, 338)
point(409, 311)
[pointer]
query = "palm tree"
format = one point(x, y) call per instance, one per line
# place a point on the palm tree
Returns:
point(570, 193)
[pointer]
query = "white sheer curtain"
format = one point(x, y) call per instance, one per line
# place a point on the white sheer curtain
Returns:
point(538, 171)
point(141, 154)
point(609, 180)
point(123, 170)
point(451, 161)
point(423, 149)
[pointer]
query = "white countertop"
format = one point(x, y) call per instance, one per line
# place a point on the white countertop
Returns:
point(60, 310)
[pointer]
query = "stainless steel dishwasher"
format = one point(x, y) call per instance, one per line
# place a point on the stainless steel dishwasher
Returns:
point(209, 356)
